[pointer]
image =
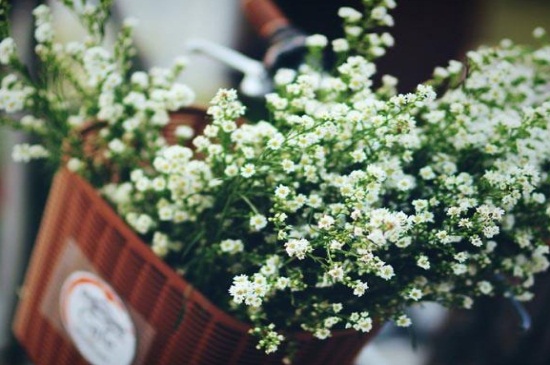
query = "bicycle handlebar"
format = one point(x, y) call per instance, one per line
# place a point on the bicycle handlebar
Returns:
point(265, 16)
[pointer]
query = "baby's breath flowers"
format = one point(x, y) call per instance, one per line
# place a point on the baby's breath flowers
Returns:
point(85, 81)
point(351, 203)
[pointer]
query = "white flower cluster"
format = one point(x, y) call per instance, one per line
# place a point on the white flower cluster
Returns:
point(7, 50)
point(251, 291)
point(360, 322)
point(231, 246)
point(43, 32)
point(86, 82)
point(14, 95)
point(349, 188)
point(359, 29)
point(270, 339)
point(25, 152)
point(347, 205)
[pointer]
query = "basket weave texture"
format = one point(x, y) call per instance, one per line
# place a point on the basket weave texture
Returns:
point(186, 327)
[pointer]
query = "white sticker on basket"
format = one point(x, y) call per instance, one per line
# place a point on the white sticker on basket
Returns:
point(97, 320)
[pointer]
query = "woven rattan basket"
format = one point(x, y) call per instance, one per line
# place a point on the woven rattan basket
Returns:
point(174, 324)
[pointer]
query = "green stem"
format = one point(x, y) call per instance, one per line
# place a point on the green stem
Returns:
point(249, 203)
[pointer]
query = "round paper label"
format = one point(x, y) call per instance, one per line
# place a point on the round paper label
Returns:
point(97, 320)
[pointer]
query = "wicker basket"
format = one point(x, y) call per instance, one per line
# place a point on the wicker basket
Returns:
point(174, 324)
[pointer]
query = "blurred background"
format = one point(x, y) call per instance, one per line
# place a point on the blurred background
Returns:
point(428, 33)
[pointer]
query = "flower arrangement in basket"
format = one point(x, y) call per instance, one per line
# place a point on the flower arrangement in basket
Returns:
point(349, 204)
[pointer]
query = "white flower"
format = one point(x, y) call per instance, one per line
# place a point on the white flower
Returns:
point(538, 198)
point(140, 79)
point(74, 164)
point(377, 237)
point(136, 99)
point(415, 294)
point(98, 64)
point(461, 256)
point(276, 142)
point(112, 81)
point(340, 45)
point(491, 231)
point(316, 40)
point(336, 272)
point(288, 166)
point(353, 31)
point(158, 183)
point(143, 184)
point(405, 183)
point(282, 283)
point(359, 288)
point(74, 48)
point(459, 269)
point(258, 222)
point(314, 201)
point(485, 287)
point(298, 248)
point(349, 14)
point(131, 124)
point(184, 132)
point(455, 67)
point(539, 32)
point(13, 101)
point(321, 333)
point(282, 191)
point(476, 241)
point(331, 321)
point(251, 292)
point(240, 288)
point(277, 102)
point(231, 246)
point(363, 324)
point(179, 96)
point(160, 118)
point(386, 272)
point(379, 13)
point(467, 303)
point(336, 245)
point(25, 152)
point(42, 13)
point(377, 51)
point(248, 170)
point(231, 170)
point(440, 72)
point(166, 213)
point(358, 155)
point(423, 262)
point(325, 222)
point(403, 321)
point(420, 204)
point(159, 77)
point(7, 50)
point(388, 41)
point(142, 223)
point(160, 244)
point(284, 76)
point(117, 146)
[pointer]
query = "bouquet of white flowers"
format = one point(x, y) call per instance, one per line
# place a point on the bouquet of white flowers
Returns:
point(349, 204)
